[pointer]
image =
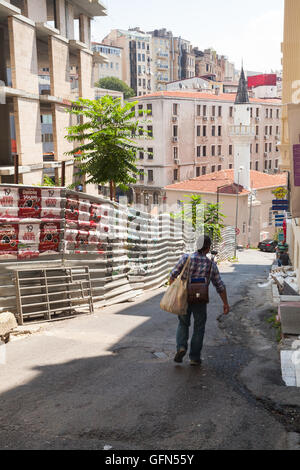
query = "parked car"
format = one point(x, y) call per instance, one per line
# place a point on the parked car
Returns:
point(268, 245)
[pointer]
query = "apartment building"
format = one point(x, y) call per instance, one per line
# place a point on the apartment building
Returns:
point(209, 63)
point(46, 61)
point(137, 65)
point(289, 147)
point(113, 65)
point(191, 137)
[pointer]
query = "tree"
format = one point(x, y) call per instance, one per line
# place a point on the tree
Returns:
point(113, 83)
point(203, 216)
point(105, 152)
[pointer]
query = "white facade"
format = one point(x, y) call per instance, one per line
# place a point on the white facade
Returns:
point(242, 134)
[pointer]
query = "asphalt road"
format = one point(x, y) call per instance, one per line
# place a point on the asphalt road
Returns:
point(109, 380)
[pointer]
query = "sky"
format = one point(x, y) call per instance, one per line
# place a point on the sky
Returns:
point(249, 31)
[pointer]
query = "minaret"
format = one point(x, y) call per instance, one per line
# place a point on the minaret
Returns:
point(242, 134)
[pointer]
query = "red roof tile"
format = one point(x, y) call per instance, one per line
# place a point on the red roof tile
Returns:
point(211, 182)
point(207, 96)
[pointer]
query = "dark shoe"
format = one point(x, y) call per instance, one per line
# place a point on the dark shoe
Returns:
point(180, 355)
point(195, 363)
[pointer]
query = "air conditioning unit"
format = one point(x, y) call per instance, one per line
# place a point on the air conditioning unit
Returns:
point(257, 119)
point(174, 118)
point(204, 118)
point(176, 161)
point(175, 139)
point(266, 137)
point(212, 118)
point(221, 159)
point(265, 155)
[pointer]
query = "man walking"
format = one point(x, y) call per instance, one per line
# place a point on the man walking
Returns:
point(201, 267)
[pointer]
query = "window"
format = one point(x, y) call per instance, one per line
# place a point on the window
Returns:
point(198, 151)
point(175, 131)
point(204, 170)
point(175, 153)
point(277, 130)
point(250, 148)
point(271, 130)
point(271, 113)
point(141, 155)
point(276, 164)
point(175, 109)
point(230, 149)
point(257, 112)
point(270, 147)
point(270, 164)
point(141, 131)
point(257, 130)
point(146, 199)
point(251, 112)
point(198, 109)
point(175, 175)
point(204, 151)
point(230, 166)
point(220, 111)
point(257, 148)
point(231, 111)
point(266, 130)
point(150, 153)
point(219, 150)
point(267, 113)
point(150, 176)
point(277, 113)
point(149, 109)
point(150, 131)
point(266, 164)
point(213, 168)
point(256, 166)
point(155, 198)
point(141, 108)
point(198, 171)
point(204, 110)
point(141, 175)
point(266, 147)
point(213, 131)
point(198, 131)
point(219, 167)
point(219, 131)
point(46, 118)
point(213, 150)
point(213, 111)
point(204, 131)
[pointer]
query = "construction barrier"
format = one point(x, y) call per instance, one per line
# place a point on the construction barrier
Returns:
point(126, 251)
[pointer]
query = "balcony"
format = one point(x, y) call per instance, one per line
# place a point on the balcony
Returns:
point(6, 10)
point(243, 131)
point(91, 7)
point(162, 66)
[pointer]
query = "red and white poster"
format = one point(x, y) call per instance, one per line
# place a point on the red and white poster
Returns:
point(95, 215)
point(9, 202)
point(9, 239)
point(72, 210)
point(50, 236)
point(29, 236)
point(30, 203)
point(51, 204)
point(84, 212)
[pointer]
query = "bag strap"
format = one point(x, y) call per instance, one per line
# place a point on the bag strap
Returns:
point(209, 274)
point(185, 267)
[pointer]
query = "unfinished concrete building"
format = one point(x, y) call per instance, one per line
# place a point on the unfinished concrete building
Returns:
point(46, 61)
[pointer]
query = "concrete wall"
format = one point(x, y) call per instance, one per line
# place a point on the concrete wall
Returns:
point(59, 68)
point(23, 55)
point(37, 10)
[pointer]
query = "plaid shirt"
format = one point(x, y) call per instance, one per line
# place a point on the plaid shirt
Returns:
point(199, 268)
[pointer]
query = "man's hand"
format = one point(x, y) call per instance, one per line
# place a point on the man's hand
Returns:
point(226, 309)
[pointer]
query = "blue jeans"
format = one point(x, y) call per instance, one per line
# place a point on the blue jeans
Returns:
point(199, 312)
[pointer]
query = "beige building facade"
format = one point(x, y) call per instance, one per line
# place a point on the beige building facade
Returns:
point(191, 137)
point(112, 67)
point(54, 37)
point(290, 122)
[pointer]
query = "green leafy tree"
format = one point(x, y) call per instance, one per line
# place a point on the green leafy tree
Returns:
point(202, 216)
point(106, 151)
point(113, 83)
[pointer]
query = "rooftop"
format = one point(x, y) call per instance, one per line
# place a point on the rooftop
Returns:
point(228, 97)
point(225, 178)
